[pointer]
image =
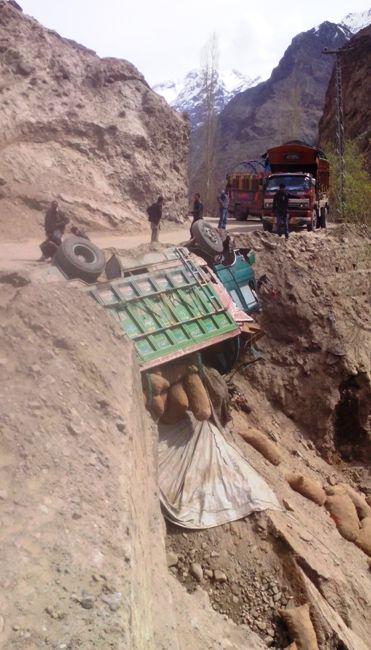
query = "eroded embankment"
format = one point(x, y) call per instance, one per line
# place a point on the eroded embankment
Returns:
point(308, 396)
point(82, 561)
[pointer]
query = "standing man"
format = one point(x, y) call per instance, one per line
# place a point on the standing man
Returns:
point(197, 210)
point(223, 200)
point(280, 206)
point(55, 225)
point(154, 212)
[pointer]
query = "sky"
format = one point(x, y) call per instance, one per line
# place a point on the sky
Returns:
point(164, 38)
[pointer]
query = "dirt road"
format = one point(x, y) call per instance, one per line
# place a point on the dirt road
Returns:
point(15, 255)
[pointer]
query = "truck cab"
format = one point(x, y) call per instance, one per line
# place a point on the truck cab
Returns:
point(304, 170)
point(302, 212)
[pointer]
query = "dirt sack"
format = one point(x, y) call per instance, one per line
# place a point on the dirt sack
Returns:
point(158, 405)
point(363, 540)
point(199, 402)
point(359, 500)
point(158, 384)
point(307, 487)
point(344, 514)
point(177, 404)
point(217, 388)
point(261, 443)
point(300, 627)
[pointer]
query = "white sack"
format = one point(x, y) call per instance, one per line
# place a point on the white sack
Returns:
point(204, 480)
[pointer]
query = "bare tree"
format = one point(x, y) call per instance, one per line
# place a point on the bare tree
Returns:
point(209, 84)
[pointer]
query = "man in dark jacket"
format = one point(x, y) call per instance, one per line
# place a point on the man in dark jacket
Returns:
point(55, 225)
point(154, 212)
point(280, 207)
point(197, 210)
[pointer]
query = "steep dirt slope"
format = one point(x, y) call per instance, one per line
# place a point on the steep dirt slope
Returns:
point(317, 319)
point(85, 130)
point(310, 397)
point(82, 561)
point(356, 63)
point(285, 107)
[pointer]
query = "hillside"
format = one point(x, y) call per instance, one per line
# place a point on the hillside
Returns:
point(356, 64)
point(287, 106)
point(85, 130)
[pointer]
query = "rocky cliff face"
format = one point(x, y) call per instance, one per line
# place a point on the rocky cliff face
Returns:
point(287, 106)
point(87, 131)
point(356, 63)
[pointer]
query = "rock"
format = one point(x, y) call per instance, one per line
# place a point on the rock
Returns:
point(219, 576)
point(208, 573)
point(74, 429)
point(87, 600)
point(121, 426)
point(113, 600)
point(277, 597)
point(196, 571)
point(288, 505)
point(172, 559)
point(261, 625)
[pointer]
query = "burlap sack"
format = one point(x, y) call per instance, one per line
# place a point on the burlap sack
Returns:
point(218, 391)
point(158, 384)
point(307, 487)
point(177, 404)
point(359, 500)
point(158, 405)
point(261, 443)
point(198, 398)
point(175, 372)
point(300, 627)
point(344, 514)
point(363, 540)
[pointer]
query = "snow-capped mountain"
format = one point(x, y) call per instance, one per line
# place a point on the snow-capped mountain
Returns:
point(357, 21)
point(187, 96)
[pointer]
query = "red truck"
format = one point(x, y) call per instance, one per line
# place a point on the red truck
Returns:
point(305, 171)
point(245, 185)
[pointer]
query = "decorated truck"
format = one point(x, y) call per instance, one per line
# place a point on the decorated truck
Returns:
point(305, 172)
point(245, 185)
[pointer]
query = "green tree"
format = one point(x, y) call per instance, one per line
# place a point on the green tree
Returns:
point(357, 184)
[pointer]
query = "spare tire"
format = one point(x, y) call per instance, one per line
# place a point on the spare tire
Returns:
point(79, 258)
point(207, 237)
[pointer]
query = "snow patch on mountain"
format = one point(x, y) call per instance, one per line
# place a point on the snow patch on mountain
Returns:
point(186, 95)
point(357, 21)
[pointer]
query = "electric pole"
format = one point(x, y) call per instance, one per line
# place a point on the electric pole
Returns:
point(340, 122)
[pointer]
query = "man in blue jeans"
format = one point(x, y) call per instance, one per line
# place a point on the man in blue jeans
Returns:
point(223, 201)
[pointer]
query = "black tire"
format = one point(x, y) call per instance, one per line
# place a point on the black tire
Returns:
point(207, 237)
point(312, 226)
point(322, 218)
point(267, 227)
point(79, 258)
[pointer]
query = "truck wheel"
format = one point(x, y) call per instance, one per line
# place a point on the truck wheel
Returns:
point(322, 219)
point(79, 258)
point(312, 226)
point(207, 237)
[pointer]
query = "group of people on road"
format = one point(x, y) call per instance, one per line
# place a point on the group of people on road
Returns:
point(56, 221)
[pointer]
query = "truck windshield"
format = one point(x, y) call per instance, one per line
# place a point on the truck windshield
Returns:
point(298, 183)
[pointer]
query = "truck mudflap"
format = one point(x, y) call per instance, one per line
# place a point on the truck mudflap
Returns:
point(169, 312)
